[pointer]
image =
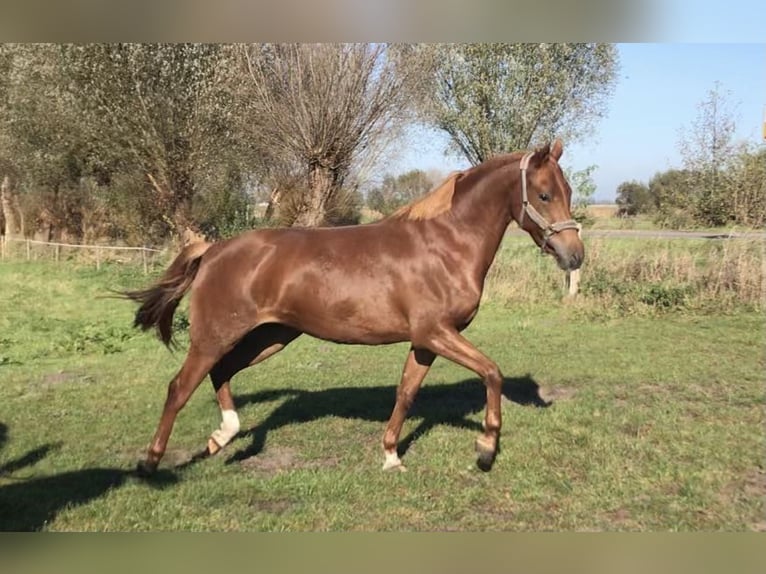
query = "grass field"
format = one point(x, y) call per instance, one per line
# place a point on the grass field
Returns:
point(617, 416)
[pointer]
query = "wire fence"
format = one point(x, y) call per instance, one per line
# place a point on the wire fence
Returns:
point(33, 249)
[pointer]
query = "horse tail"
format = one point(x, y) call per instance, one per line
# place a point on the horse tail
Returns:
point(159, 302)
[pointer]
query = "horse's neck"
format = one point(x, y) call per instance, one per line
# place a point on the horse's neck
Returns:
point(485, 211)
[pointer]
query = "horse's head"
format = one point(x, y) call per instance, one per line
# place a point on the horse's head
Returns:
point(544, 209)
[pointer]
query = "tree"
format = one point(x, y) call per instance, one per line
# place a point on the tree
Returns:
point(161, 111)
point(322, 106)
point(396, 191)
point(633, 198)
point(10, 220)
point(706, 147)
point(10, 214)
point(583, 190)
point(673, 201)
point(496, 98)
point(747, 177)
point(44, 144)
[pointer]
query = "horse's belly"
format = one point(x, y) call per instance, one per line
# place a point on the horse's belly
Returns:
point(355, 327)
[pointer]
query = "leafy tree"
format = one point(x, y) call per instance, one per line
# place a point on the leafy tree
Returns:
point(160, 110)
point(396, 191)
point(496, 98)
point(747, 177)
point(44, 142)
point(706, 147)
point(633, 197)
point(10, 220)
point(673, 200)
point(583, 189)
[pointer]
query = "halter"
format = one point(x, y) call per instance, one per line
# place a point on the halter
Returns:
point(549, 229)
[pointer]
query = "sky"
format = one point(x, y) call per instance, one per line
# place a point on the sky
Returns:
point(658, 91)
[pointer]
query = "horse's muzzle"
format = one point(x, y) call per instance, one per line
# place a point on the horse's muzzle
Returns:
point(569, 254)
point(574, 262)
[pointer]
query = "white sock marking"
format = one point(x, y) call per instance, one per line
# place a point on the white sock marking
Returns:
point(392, 460)
point(229, 428)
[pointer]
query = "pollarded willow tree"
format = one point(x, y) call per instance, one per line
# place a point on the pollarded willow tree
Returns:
point(321, 105)
point(496, 98)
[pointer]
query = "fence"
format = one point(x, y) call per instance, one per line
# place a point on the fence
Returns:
point(571, 281)
point(101, 251)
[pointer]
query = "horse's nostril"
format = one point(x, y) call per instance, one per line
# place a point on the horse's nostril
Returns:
point(575, 261)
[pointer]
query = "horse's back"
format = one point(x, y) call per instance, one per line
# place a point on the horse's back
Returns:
point(334, 283)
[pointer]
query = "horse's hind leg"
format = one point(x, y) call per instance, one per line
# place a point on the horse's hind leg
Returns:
point(229, 428)
point(258, 345)
point(194, 369)
point(415, 369)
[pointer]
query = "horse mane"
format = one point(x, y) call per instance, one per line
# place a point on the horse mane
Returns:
point(434, 203)
point(439, 200)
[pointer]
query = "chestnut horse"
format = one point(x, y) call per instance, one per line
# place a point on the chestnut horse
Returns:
point(414, 276)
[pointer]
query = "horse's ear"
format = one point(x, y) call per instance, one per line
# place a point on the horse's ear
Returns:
point(541, 154)
point(556, 149)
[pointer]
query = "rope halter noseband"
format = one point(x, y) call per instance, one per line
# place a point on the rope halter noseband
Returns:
point(548, 229)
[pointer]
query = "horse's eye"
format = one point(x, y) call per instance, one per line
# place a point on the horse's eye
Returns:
point(544, 197)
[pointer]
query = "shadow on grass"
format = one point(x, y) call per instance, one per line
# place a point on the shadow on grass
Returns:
point(446, 404)
point(31, 503)
point(28, 504)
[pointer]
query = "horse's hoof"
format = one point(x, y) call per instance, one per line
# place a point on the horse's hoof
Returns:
point(393, 462)
point(213, 447)
point(485, 460)
point(394, 467)
point(145, 469)
point(486, 457)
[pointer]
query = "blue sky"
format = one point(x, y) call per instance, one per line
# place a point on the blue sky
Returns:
point(657, 94)
point(707, 20)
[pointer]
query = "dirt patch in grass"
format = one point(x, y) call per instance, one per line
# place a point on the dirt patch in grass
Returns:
point(751, 485)
point(173, 457)
point(621, 519)
point(59, 377)
point(556, 394)
point(755, 483)
point(272, 506)
point(178, 457)
point(279, 459)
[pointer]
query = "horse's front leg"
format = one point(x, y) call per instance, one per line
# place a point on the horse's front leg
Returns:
point(415, 369)
point(452, 345)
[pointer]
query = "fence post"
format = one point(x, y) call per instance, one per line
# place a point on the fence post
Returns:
point(98, 258)
point(29, 253)
point(58, 248)
point(2, 246)
point(143, 257)
point(573, 282)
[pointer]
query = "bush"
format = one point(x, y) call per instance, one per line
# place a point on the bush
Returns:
point(636, 275)
point(665, 296)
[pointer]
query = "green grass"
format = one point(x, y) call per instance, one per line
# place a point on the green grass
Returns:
point(655, 422)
